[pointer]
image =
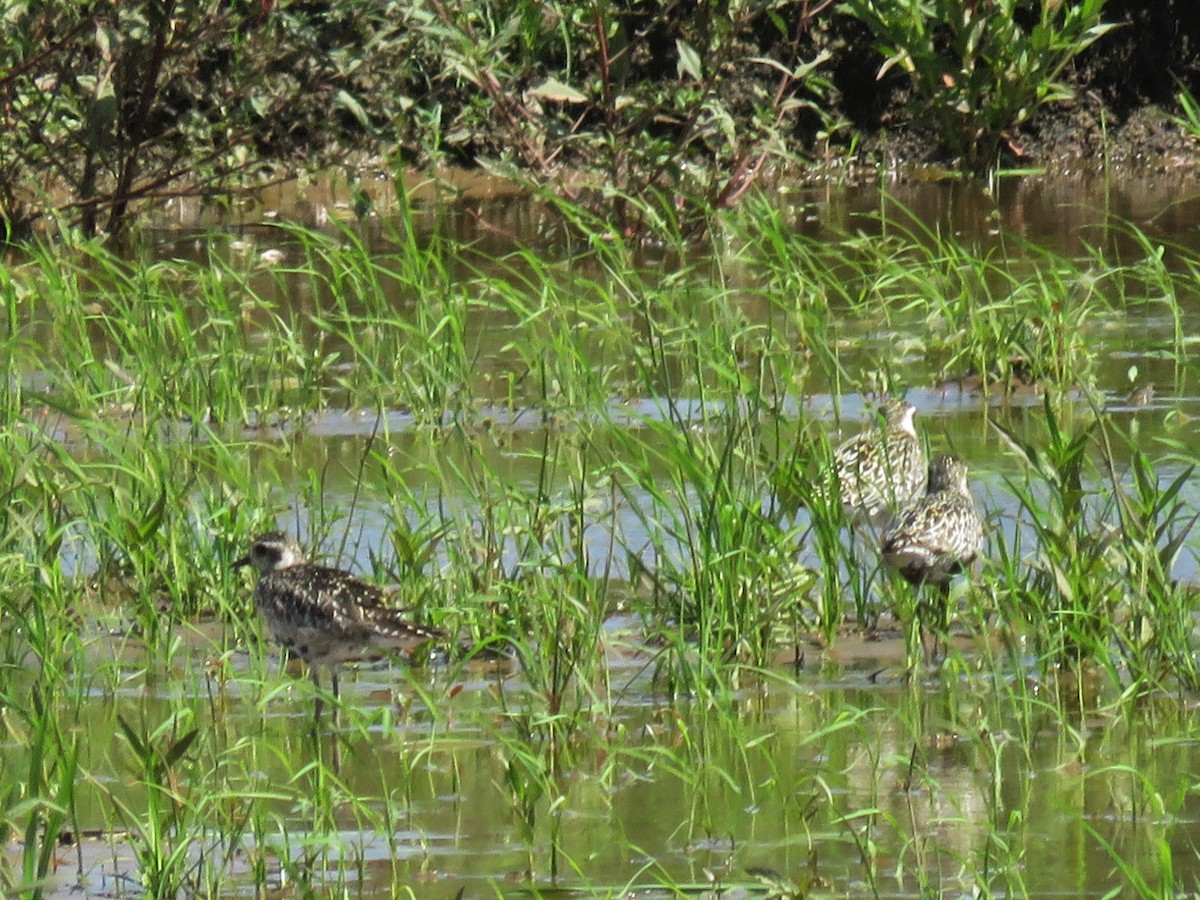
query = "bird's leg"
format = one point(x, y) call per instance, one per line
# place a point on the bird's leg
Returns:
point(866, 618)
point(337, 713)
point(925, 620)
point(902, 599)
point(924, 629)
point(938, 611)
point(337, 700)
point(315, 672)
point(944, 617)
point(318, 707)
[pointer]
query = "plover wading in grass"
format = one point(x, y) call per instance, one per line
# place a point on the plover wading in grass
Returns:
point(940, 534)
point(936, 538)
point(325, 615)
point(882, 469)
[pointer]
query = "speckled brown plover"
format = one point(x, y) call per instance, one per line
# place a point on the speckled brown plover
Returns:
point(937, 536)
point(883, 468)
point(941, 534)
point(325, 615)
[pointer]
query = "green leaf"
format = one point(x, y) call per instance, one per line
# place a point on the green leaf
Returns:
point(135, 742)
point(176, 751)
point(153, 519)
point(554, 90)
point(689, 60)
point(352, 106)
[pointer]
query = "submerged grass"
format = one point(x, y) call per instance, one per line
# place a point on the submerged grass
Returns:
point(594, 471)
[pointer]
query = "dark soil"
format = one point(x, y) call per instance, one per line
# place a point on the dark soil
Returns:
point(1069, 138)
point(1147, 141)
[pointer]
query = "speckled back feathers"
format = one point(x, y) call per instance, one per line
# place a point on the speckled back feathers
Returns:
point(883, 468)
point(940, 534)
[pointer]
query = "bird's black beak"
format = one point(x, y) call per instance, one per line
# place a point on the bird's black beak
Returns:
point(237, 564)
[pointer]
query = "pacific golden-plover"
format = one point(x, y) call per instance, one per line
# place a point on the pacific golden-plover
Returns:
point(324, 615)
point(882, 469)
point(934, 539)
point(939, 535)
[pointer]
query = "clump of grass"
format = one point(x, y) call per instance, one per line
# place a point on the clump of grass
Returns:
point(1101, 587)
point(164, 832)
point(725, 569)
point(727, 581)
point(1156, 640)
point(1004, 316)
point(44, 801)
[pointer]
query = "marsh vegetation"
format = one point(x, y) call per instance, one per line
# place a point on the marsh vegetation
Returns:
point(577, 430)
point(112, 108)
point(590, 461)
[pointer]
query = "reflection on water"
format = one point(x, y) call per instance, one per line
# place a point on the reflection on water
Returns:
point(652, 789)
point(1061, 214)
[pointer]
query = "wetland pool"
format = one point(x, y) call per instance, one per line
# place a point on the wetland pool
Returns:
point(599, 745)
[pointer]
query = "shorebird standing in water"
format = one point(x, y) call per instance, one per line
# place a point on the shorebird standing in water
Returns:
point(939, 535)
point(325, 615)
point(882, 469)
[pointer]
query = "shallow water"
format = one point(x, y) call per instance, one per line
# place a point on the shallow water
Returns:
point(932, 772)
point(797, 772)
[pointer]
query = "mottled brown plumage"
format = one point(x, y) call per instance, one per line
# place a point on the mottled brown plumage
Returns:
point(324, 615)
point(883, 468)
point(941, 534)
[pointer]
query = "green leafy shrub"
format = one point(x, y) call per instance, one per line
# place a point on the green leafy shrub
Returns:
point(980, 70)
point(108, 105)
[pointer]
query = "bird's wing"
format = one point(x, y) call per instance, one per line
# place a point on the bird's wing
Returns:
point(950, 529)
point(359, 606)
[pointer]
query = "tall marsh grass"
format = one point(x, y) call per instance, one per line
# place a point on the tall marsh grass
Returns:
point(594, 471)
